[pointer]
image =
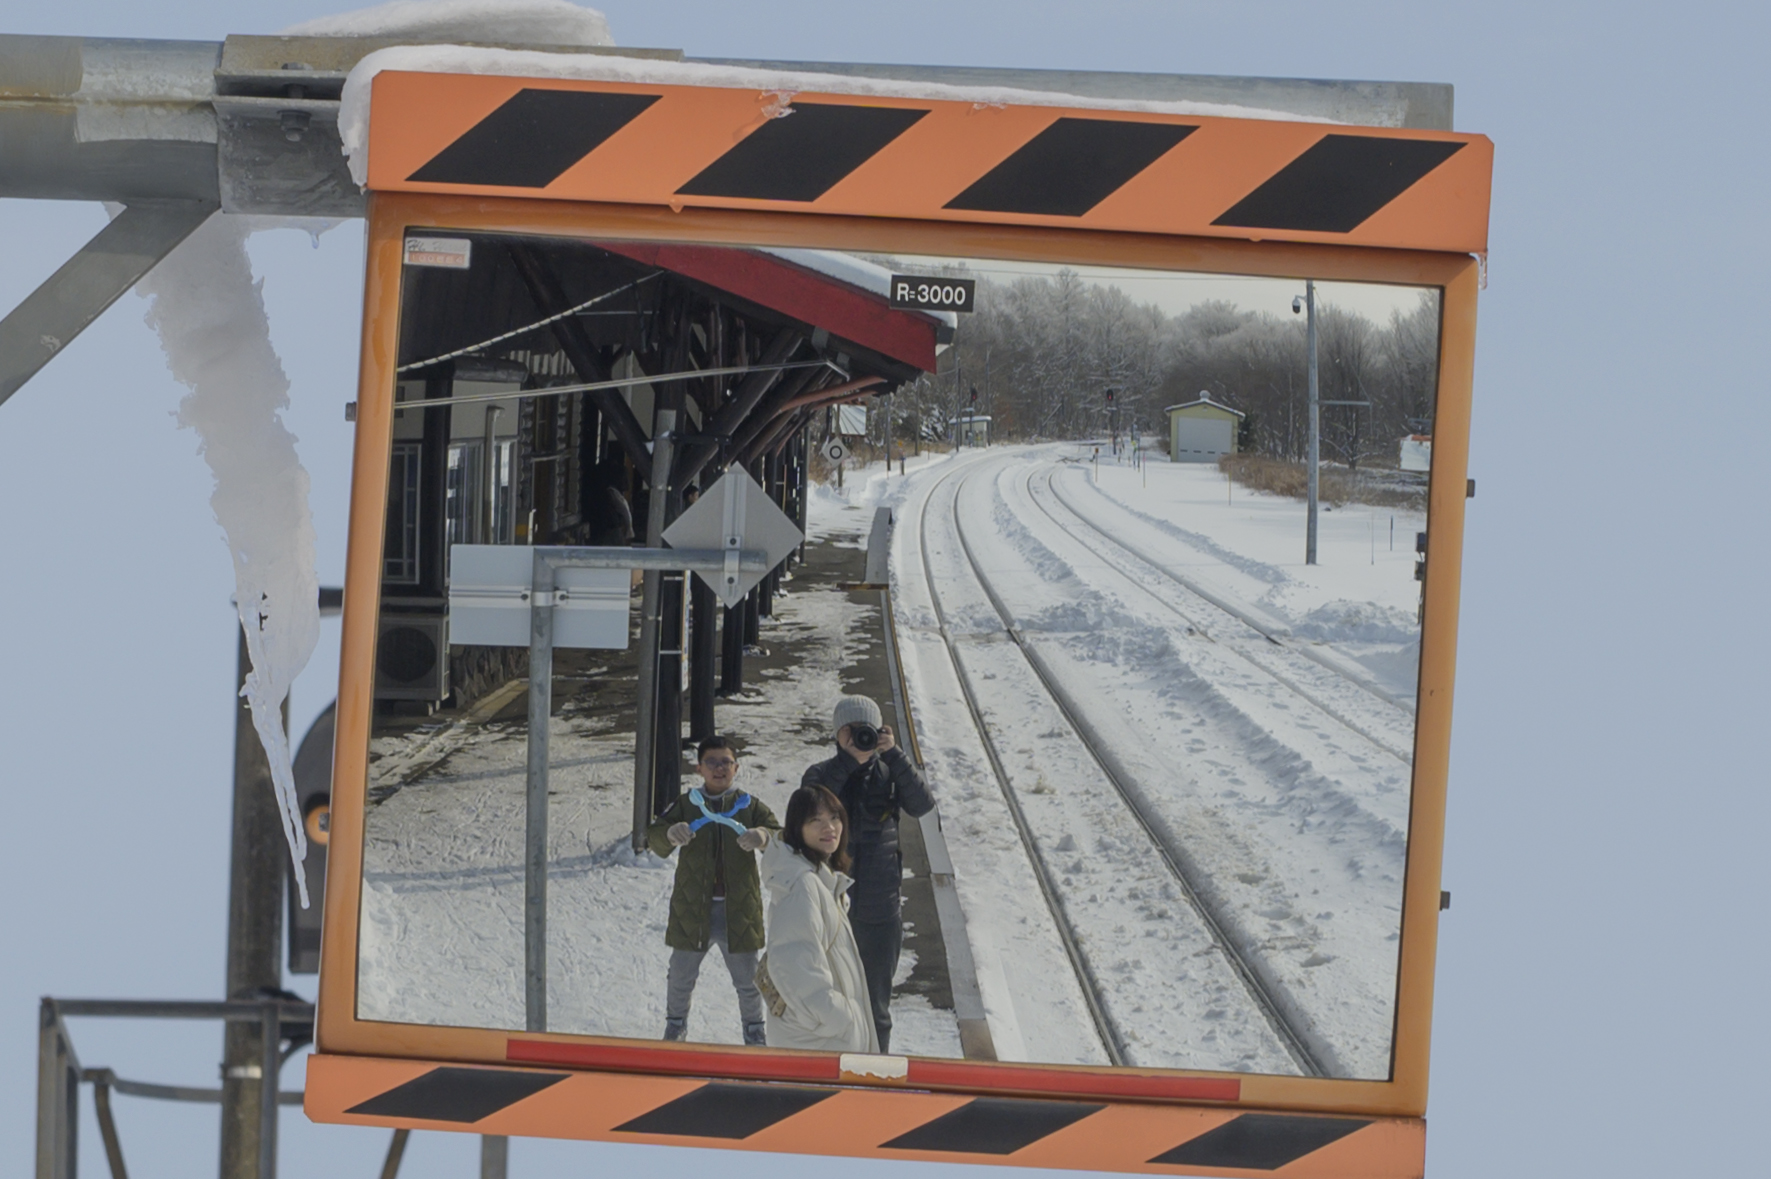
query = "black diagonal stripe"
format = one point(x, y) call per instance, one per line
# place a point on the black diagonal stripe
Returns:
point(1339, 182)
point(993, 1125)
point(802, 156)
point(1260, 1142)
point(534, 137)
point(720, 1110)
point(1070, 167)
point(457, 1094)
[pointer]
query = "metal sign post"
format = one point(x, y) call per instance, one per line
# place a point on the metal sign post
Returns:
point(732, 537)
point(482, 624)
point(645, 736)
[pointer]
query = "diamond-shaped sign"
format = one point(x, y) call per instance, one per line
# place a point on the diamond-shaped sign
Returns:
point(734, 514)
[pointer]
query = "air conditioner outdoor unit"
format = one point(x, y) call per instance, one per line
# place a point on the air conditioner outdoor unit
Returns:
point(412, 657)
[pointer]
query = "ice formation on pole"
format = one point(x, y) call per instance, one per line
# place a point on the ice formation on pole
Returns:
point(210, 317)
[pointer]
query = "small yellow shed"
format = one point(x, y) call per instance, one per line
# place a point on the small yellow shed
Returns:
point(1199, 431)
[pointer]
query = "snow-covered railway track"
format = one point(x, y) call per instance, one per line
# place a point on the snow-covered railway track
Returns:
point(1267, 1033)
point(1209, 616)
point(1111, 1040)
point(1266, 627)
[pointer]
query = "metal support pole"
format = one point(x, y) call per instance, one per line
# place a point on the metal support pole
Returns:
point(1315, 459)
point(489, 480)
point(396, 1150)
point(58, 1096)
point(270, 1063)
point(494, 1156)
point(958, 433)
point(667, 700)
point(645, 734)
point(107, 1125)
point(255, 935)
point(703, 633)
point(75, 295)
point(535, 809)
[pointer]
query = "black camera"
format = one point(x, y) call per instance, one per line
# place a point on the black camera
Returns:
point(864, 737)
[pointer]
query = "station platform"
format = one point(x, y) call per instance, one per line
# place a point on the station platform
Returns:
point(443, 852)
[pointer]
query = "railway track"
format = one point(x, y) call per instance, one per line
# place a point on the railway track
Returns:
point(1114, 1038)
point(1267, 628)
point(1124, 559)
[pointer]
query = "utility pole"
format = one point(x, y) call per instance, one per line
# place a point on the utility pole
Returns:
point(1315, 443)
point(958, 433)
point(255, 934)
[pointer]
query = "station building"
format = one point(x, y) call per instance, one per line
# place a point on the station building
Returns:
point(808, 328)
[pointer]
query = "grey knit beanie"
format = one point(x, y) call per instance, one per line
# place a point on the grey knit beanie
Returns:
point(857, 710)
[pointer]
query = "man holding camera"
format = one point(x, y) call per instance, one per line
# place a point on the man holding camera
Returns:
point(875, 780)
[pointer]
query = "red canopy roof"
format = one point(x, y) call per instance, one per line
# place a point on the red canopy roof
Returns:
point(861, 317)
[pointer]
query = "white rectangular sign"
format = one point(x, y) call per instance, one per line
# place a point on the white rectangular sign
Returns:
point(851, 420)
point(451, 253)
point(489, 597)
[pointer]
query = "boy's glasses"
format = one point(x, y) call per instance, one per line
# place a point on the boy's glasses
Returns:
point(720, 764)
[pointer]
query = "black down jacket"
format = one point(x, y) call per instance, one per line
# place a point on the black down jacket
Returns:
point(874, 792)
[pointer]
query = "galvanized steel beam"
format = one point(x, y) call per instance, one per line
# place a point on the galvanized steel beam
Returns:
point(71, 298)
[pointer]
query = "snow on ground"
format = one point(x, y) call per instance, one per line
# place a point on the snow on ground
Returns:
point(1360, 597)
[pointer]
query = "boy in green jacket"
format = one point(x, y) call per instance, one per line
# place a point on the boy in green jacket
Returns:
point(718, 894)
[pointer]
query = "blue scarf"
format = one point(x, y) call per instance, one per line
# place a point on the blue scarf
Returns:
point(709, 816)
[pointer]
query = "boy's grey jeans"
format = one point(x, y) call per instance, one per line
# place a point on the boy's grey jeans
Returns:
point(685, 968)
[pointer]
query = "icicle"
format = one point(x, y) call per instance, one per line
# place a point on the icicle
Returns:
point(210, 317)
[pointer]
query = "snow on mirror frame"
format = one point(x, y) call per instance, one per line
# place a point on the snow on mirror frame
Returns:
point(1164, 601)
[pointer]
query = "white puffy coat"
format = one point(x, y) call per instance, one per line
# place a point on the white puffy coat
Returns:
point(812, 960)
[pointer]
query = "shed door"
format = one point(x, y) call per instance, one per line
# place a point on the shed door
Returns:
point(1202, 440)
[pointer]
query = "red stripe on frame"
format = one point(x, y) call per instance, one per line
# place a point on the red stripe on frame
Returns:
point(942, 1074)
point(675, 1061)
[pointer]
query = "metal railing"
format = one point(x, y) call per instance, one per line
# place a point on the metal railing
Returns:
point(59, 1074)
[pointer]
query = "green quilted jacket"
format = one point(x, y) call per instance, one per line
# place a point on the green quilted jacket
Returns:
point(712, 857)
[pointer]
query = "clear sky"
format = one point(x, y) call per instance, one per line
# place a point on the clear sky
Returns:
point(1600, 1005)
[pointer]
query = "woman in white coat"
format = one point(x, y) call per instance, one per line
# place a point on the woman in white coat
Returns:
point(814, 989)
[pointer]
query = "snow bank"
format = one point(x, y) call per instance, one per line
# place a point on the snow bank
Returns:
point(529, 22)
point(773, 88)
point(210, 317)
point(1363, 622)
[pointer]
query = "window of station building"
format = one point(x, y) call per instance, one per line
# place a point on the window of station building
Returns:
point(400, 551)
point(476, 513)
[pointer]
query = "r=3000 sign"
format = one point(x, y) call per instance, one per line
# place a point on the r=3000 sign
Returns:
point(930, 293)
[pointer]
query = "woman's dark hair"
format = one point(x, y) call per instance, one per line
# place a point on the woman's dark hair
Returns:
point(807, 802)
